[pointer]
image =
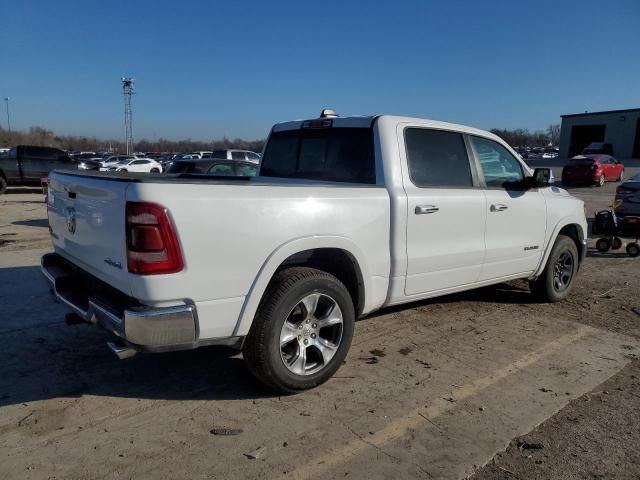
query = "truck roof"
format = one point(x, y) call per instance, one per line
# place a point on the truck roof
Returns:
point(366, 121)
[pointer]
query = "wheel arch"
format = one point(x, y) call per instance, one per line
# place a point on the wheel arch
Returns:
point(572, 228)
point(339, 256)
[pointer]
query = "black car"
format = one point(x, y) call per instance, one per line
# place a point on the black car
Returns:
point(229, 168)
point(27, 164)
point(89, 164)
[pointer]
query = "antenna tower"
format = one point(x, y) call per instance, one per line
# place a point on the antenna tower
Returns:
point(127, 92)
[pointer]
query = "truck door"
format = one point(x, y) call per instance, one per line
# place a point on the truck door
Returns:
point(10, 165)
point(516, 217)
point(446, 211)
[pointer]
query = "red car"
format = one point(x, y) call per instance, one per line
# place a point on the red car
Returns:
point(592, 169)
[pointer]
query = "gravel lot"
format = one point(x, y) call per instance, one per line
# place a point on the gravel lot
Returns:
point(447, 388)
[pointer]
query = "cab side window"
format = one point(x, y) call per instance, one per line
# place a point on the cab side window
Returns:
point(437, 158)
point(499, 167)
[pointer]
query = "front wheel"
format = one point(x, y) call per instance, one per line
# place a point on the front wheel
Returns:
point(558, 277)
point(621, 177)
point(3, 186)
point(302, 330)
point(155, 170)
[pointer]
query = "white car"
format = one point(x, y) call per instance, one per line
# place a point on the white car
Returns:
point(231, 154)
point(107, 163)
point(346, 216)
point(140, 165)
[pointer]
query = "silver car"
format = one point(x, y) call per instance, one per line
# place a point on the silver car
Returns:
point(628, 197)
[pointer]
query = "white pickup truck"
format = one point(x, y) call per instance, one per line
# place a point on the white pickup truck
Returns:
point(347, 215)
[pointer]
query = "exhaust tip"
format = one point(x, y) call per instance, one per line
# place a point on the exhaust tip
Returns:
point(121, 351)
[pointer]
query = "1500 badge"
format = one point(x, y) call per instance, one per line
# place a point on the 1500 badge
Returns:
point(113, 263)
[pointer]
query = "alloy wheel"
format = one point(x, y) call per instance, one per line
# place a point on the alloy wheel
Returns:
point(311, 334)
point(563, 271)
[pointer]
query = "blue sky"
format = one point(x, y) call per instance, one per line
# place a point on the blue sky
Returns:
point(208, 69)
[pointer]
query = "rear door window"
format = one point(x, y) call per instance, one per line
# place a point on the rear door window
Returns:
point(437, 158)
point(238, 156)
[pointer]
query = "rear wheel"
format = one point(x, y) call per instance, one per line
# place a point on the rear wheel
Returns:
point(302, 331)
point(603, 245)
point(601, 181)
point(621, 177)
point(155, 170)
point(558, 277)
point(3, 185)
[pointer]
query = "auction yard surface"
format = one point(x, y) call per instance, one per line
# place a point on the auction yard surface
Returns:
point(429, 390)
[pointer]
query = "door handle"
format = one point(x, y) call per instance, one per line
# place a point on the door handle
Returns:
point(424, 209)
point(498, 207)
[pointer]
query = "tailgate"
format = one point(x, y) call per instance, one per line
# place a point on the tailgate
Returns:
point(86, 218)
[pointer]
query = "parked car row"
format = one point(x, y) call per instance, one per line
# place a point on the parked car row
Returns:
point(27, 164)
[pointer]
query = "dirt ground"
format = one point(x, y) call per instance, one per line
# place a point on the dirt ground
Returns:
point(459, 386)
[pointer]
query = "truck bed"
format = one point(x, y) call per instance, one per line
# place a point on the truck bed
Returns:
point(230, 231)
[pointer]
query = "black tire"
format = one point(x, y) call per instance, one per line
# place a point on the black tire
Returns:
point(155, 170)
point(546, 288)
point(263, 350)
point(603, 245)
point(616, 243)
point(633, 249)
point(3, 186)
point(601, 181)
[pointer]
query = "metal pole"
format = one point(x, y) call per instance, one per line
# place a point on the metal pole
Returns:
point(6, 99)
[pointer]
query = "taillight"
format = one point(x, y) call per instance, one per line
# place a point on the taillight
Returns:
point(152, 243)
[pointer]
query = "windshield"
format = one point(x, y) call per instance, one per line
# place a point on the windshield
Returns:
point(331, 154)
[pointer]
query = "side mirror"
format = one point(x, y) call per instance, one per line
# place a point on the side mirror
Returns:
point(542, 177)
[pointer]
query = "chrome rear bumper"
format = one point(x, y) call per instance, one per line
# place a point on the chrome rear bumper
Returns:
point(139, 327)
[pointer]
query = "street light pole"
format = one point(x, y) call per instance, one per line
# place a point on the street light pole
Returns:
point(6, 99)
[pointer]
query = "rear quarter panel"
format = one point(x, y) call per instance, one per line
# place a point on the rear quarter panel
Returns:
point(231, 234)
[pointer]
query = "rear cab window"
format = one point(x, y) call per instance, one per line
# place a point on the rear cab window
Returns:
point(334, 154)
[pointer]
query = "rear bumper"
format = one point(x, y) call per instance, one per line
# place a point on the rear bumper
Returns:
point(140, 327)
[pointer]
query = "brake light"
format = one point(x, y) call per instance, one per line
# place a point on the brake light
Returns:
point(152, 243)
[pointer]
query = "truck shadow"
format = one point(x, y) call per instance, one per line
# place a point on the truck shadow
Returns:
point(42, 358)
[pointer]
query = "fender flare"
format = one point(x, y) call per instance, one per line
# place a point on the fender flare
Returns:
point(279, 255)
point(563, 222)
